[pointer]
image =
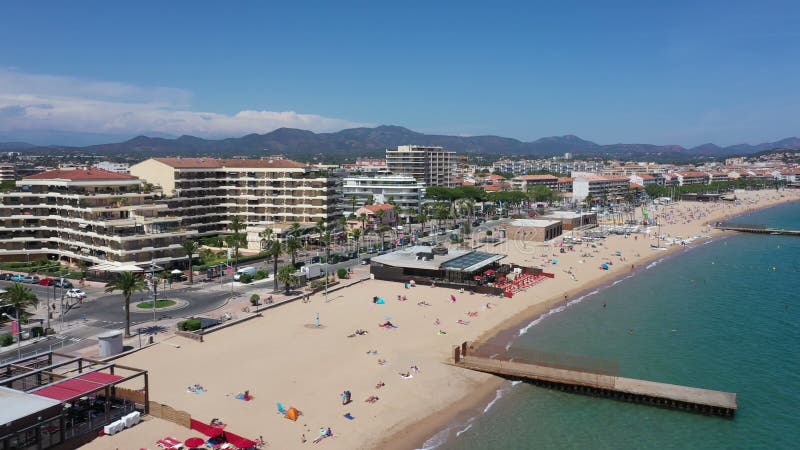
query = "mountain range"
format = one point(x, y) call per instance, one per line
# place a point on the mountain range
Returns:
point(373, 141)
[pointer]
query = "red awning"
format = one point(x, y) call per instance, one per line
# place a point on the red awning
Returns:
point(208, 430)
point(489, 272)
point(77, 387)
point(238, 441)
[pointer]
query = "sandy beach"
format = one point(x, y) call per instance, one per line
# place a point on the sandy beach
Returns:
point(283, 357)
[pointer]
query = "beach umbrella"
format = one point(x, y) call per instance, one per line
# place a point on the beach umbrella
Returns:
point(176, 272)
point(193, 442)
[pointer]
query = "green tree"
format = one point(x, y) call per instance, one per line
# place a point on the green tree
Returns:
point(275, 250)
point(542, 193)
point(356, 233)
point(379, 215)
point(236, 239)
point(382, 233)
point(19, 297)
point(127, 283)
point(190, 247)
point(286, 275)
point(292, 247)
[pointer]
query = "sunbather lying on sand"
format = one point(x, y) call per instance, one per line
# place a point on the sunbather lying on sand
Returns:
point(387, 324)
point(383, 362)
point(371, 399)
point(463, 322)
point(406, 375)
point(380, 385)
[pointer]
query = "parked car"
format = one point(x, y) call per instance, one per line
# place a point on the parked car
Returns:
point(5, 276)
point(365, 261)
point(76, 293)
point(66, 284)
point(25, 279)
point(46, 282)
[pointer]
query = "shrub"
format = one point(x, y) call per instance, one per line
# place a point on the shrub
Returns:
point(342, 273)
point(316, 284)
point(488, 232)
point(6, 340)
point(37, 331)
point(181, 325)
point(192, 324)
point(261, 274)
point(254, 298)
point(245, 278)
point(495, 217)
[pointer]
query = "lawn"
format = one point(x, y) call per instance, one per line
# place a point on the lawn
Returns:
point(159, 304)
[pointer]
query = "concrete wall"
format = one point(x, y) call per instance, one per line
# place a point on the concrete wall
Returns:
point(156, 173)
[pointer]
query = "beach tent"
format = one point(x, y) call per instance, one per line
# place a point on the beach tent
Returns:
point(292, 414)
point(604, 266)
point(380, 301)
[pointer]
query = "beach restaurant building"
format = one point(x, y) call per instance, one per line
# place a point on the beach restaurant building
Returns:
point(533, 229)
point(59, 401)
point(433, 264)
point(572, 220)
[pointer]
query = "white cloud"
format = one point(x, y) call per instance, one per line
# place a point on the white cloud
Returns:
point(51, 102)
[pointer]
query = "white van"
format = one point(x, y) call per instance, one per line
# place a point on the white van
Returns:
point(244, 270)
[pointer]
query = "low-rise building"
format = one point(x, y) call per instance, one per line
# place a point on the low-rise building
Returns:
point(572, 220)
point(374, 218)
point(533, 230)
point(89, 215)
point(522, 182)
point(597, 187)
point(113, 167)
point(689, 178)
point(646, 179)
point(405, 191)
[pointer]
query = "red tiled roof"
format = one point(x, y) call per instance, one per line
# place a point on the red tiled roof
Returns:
point(80, 174)
point(537, 177)
point(693, 174)
point(645, 176)
point(566, 180)
point(636, 186)
point(376, 208)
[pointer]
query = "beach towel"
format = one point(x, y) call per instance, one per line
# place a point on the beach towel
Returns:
point(348, 416)
point(281, 409)
point(453, 298)
point(381, 301)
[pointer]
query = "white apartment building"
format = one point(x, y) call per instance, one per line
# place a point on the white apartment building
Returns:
point(611, 187)
point(405, 191)
point(273, 193)
point(8, 172)
point(688, 178)
point(89, 215)
point(113, 167)
point(433, 166)
point(522, 182)
point(646, 179)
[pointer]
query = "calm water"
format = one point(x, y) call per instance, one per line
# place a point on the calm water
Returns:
point(724, 315)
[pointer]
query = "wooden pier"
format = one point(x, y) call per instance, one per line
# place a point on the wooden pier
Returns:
point(664, 395)
point(759, 229)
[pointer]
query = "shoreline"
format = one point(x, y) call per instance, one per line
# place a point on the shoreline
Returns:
point(418, 433)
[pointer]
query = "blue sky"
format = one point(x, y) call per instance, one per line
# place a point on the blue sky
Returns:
point(657, 72)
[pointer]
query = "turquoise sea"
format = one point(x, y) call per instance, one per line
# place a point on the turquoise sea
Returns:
point(723, 315)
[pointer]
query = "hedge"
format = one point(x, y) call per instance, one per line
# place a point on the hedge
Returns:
point(342, 273)
point(189, 325)
point(37, 331)
point(6, 340)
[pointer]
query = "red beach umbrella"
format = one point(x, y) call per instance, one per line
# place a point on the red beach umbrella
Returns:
point(194, 442)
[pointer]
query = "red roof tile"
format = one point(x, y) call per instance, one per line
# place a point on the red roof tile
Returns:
point(80, 174)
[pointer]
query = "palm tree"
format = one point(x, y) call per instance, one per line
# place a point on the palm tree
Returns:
point(294, 229)
point(397, 210)
point(287, 276)
point(236, 225)
point(266, 236)
point(275, 250)
point(382, 233)
point(380, 214)
point(19, 297)
point(422, 218)
point(292, 246)
point(190, 247)
point(127, 283)
point(357, 237)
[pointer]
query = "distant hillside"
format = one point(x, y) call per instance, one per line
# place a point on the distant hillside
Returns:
point(373, 141)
